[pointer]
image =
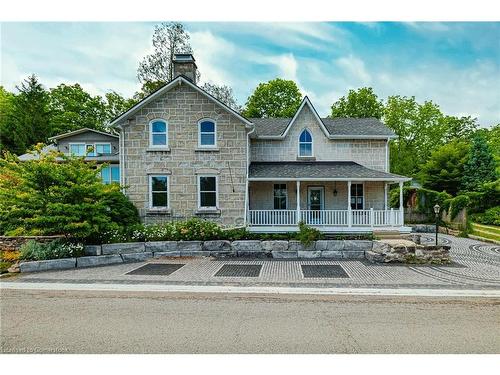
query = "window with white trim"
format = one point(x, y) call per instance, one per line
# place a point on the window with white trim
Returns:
point(207, 133)
point(158, 191)
point(305, 143)
point(280, 196)
point(77, 149)
point(110, 174)
point(357, 198)
point(158, 134)
point(102, 148)
point(207, 188)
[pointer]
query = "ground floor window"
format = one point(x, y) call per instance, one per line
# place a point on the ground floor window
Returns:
point(207, 188)
point(280, 197)
point(357, 198)
point(158, 191)
point(110, 174)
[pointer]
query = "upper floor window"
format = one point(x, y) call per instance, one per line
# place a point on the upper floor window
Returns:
point(207, 133)
point(158, 133)
point(305, 143)
point(103, 148)
point(77, 149)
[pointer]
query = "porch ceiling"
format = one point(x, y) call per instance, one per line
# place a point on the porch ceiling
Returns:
point(318, 170)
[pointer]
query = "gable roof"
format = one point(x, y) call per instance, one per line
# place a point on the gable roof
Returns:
point(334, 128)
point(165, 88)
point(80, 131)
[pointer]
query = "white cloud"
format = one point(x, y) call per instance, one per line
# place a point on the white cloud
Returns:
point(355, 69)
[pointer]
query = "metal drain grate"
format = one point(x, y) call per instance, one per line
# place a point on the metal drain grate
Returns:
point(161, 269)
point(323, 271)
point(239, 270)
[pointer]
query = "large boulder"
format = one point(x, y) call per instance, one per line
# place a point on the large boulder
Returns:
point(276, 245)
point(190, 248)
point(47, 265)
point(137, 257)
point(247, 246)
point(161, 246)
point(294, 245)
point(330, 245)
point(123, 248)
point(100, 260)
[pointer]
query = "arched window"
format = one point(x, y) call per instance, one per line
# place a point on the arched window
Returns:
point(158, 134)
point(305, 143)
point(207, 133)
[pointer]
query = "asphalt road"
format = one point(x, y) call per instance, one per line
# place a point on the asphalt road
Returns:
point(137, 322)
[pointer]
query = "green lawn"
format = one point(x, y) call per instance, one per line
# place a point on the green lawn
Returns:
point(486, 231)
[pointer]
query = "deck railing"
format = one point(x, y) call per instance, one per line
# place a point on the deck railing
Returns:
point(340, 218)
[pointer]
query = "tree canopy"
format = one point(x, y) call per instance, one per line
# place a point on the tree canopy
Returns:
point(223, 93)
point(360, 103)
point(276, 98)
point(480, 166)
point(445, 168)
point(168, 39)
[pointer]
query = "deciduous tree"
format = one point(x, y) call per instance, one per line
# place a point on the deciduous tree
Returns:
point(224, 93)
point(360, 103)
point(276, 98)
point(480, 166)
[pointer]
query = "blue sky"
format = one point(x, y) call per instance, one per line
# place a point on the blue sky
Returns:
point(457, 65)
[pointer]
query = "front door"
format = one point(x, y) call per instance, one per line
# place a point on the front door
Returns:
point(315, 203)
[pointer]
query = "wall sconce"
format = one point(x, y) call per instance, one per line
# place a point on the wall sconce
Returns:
point(335, 189)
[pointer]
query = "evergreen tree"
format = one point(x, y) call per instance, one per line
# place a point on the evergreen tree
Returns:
point(480, 166)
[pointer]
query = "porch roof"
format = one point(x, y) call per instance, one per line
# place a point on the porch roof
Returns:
point(318, 170)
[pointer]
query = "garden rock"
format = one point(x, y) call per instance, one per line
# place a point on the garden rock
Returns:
point(278, 245)
point(284, 254)
point(330, 245)
point(190, 248)
point(217, 245)
point(247, 245)
point(299, 246)
point(161, 246)
point(47, 265)
point(100, 260)
point(123, 248)
point(136, 257)
point(332, 254)
point(173, 253)
point(357, 245)
point(307, 254)
point(92, 250)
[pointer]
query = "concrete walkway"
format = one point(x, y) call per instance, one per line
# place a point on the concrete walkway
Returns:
point(476, 265)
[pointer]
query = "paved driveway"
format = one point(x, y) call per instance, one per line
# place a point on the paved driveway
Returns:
point(475, 265)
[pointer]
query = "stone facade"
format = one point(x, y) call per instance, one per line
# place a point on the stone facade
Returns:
point(370, 153)
point(182, 107)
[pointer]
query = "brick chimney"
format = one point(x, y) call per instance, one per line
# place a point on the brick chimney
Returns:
point(184, 64)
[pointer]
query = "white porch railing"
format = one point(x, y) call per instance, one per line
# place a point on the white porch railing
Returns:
point(341, 218)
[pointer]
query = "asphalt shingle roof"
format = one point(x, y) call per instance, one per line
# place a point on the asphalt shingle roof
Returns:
point(335, 126)
point(317, 169)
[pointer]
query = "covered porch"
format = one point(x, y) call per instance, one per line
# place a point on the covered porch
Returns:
point(283, 194)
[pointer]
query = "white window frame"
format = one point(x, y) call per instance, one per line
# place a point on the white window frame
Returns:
point(215, 133)
point(216, 192)
point(151, 145)
point(312, 144)
point(286, 195)
point(78, 143)
point(150, 190)
point(364, 195)
point(111, 166)
point(102, 144)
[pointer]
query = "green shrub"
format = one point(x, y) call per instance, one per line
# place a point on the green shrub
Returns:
point(489, 217)
point(426, 199)
point(307, 235)
point(33, 250)
point(454, 205)
point(47, 196)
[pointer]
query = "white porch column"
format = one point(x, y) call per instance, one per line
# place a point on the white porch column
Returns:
point(401, 213)
point(349, 211)
point(298, 202)
point(385, 195)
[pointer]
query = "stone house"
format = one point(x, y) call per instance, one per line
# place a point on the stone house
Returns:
point(183, 154)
